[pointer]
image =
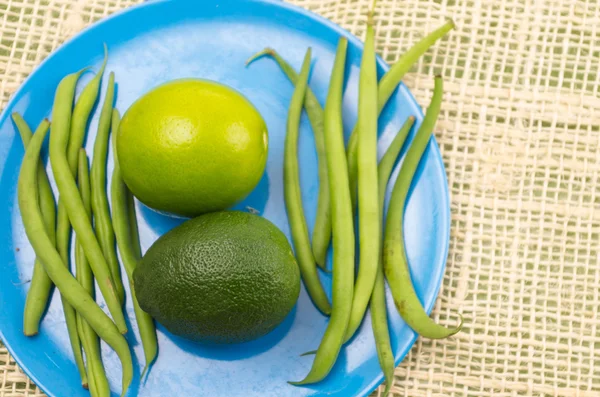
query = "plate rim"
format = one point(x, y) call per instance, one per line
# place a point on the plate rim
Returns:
point(434, 149)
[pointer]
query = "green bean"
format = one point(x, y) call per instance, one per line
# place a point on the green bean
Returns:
point(61, 120)
point(342, 224)
point(96, 374)
point(394, 253)
point(133, 225)
point(41, 285)
point(388, 84)
point(379, 320)
point(81, 114)
point(322, 229)
point(293, 196)
point(68, 287)
point(129, 249)
point(368, 205)
point(100, 209)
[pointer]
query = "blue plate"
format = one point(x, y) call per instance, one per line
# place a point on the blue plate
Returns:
point(159, 41)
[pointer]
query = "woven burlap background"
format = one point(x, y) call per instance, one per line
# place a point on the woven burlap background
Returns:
point(521, 142)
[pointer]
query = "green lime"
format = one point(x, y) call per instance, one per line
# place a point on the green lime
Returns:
point(224, 277)
point(192, 146)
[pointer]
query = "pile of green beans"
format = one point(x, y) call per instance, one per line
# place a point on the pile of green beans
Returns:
point(82, 201)
point(69, 288)
point(350, 177)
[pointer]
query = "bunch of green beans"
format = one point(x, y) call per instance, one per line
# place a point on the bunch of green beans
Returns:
point(49, 231)
point(69, 288)
point(355, 179)
point(69, 194)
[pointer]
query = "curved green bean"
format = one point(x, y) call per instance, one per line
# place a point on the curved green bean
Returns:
point(394, 254)
point(41, 285)
point(81, 113)
point(342, 223)
point(100, 209)
point(388, 84)
point(369, 228)
point(293, 196)
point(379, 320)
point(321, 236)
point(73, 292)
point(129, 249)
point(61, 120)
point(96, 375)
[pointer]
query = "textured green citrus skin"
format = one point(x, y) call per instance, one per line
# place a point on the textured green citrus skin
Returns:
point(192, 146)
point(225, 277)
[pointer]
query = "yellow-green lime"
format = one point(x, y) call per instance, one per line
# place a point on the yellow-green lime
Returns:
point(192, 146)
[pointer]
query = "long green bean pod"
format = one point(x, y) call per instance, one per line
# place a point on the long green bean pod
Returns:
point(68, 287)
point(95, 369)
point(379, 319)
point(322, 230)
point(368, 204)
point(293, 197)
point(394, 253)
point(388, 84)
point(342, 223)
point(41, 285)
point(102, 222)
point(61, 121)
point(129, 244)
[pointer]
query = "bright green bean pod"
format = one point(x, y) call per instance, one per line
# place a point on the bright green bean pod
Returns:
point(81, 114)
point(322, 230)
point(394, 254)
point(61, 121)
point(379, 319)
point(293, 196)
point(369, 227)
point(41, 285)
point(100, 209)
point(342, 223)
point(129, 249)
point(388, 84)
point(68, 287)
point(96, 375)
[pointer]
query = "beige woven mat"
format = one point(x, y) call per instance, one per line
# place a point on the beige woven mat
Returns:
point(520, 138)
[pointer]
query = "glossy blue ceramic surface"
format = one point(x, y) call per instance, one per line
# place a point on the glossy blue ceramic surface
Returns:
point(160, 41)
